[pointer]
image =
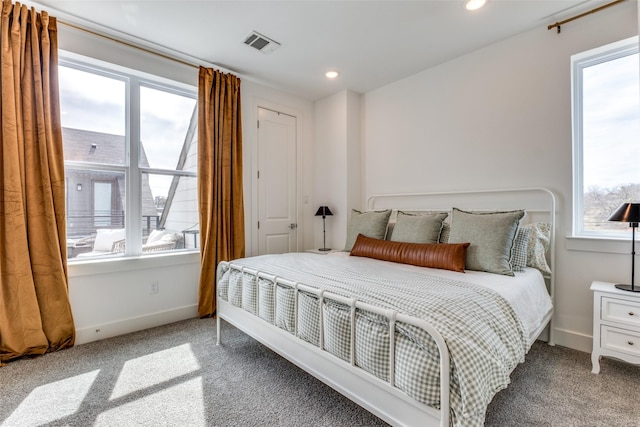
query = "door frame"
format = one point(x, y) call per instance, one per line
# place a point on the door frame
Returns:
point(251, 225)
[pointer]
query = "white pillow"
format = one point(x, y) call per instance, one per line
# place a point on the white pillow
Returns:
point(105, 238)
point(170, 237)
point(156, 235)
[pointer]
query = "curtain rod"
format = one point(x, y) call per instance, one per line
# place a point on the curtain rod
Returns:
point(55, 13)
point(114, 39)
point(597, 9)
point(196, 63)
point(66, 19)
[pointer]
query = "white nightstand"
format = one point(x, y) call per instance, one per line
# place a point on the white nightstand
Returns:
point(616, 324)
point(318, 251)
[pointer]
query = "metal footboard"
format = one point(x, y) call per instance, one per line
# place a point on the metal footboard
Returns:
point(234, 314)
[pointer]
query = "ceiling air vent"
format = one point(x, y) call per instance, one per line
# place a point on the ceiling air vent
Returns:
point(260, 42)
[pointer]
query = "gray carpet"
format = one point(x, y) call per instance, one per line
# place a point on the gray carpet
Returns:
point(175, 375)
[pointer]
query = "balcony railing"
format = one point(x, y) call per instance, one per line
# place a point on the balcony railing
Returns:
point(81, 225)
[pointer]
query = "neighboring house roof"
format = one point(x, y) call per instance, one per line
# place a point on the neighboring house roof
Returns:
point(109, 149)
point(96, 147)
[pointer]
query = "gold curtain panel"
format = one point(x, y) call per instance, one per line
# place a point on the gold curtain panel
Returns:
point(35, 313)
point(219, 179)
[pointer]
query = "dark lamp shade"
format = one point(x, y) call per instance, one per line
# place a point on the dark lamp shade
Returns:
point(323, 211)
point(627, 212)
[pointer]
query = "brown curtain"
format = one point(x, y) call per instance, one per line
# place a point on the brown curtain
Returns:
point(35, 313)
point(219, 179)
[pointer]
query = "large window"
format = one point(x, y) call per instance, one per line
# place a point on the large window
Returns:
point(130, 161)
point(606, 136)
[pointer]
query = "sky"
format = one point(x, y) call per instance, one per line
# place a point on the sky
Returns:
point(611, 106)
point(97, 103)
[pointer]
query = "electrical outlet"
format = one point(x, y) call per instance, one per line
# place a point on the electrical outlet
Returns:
point(155, 288)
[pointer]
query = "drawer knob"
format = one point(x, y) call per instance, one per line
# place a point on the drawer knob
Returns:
point(631, 313)
point(630, 342)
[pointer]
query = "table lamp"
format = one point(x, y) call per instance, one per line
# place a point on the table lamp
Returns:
point(324, 211)
point(629, 212)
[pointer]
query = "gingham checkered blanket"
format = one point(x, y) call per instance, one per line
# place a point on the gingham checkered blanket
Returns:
point(485, 338)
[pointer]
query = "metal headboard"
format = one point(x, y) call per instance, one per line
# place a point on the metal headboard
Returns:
point(538, 202)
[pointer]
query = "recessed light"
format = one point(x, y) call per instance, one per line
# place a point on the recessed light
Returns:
point(331, 74)
point(474, 4)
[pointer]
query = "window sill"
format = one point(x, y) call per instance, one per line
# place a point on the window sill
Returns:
point(122, 264)
point(598, 244)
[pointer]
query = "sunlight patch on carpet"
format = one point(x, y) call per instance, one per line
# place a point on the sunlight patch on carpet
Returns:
point(150, 370)
point(52, 401)
point(179, 405)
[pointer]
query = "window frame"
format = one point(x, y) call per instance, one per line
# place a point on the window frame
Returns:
point(131, 168)
point(579, 62)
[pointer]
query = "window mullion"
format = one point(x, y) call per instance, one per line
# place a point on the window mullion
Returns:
point(134, 208)
point(170, 172)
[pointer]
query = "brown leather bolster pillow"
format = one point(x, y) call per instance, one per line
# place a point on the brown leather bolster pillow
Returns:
point(447, 256)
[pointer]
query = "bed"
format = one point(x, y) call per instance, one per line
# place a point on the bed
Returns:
point(417, 340)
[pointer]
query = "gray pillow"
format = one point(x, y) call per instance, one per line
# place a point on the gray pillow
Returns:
point(371, 224)
point(491, 235)
point(417, 228)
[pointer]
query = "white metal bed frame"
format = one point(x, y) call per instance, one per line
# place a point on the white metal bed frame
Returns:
point(375, 395)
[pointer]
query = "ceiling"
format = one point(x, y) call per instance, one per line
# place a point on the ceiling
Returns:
point(370, 43)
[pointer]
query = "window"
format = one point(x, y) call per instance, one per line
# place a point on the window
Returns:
point(606, 136)
point(130, 161)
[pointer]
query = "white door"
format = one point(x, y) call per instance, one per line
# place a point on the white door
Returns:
point(277, 219)
point(102, 204)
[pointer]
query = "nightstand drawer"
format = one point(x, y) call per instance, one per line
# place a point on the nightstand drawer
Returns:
point(617, 310)
point(620, 340)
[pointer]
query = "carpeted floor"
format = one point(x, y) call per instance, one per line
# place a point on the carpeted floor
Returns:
point(175, 375)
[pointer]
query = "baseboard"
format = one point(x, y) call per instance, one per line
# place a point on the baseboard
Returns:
point(563, 337)
point(121, 327)
point(572, 339)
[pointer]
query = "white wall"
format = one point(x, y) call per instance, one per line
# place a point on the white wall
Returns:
point(337, 160)
point(112, 297)
point(500, 117)
point(330, 167)
point(353, 151)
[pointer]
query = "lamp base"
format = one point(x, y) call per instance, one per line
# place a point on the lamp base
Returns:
point(628, 288)
point(324, 249)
